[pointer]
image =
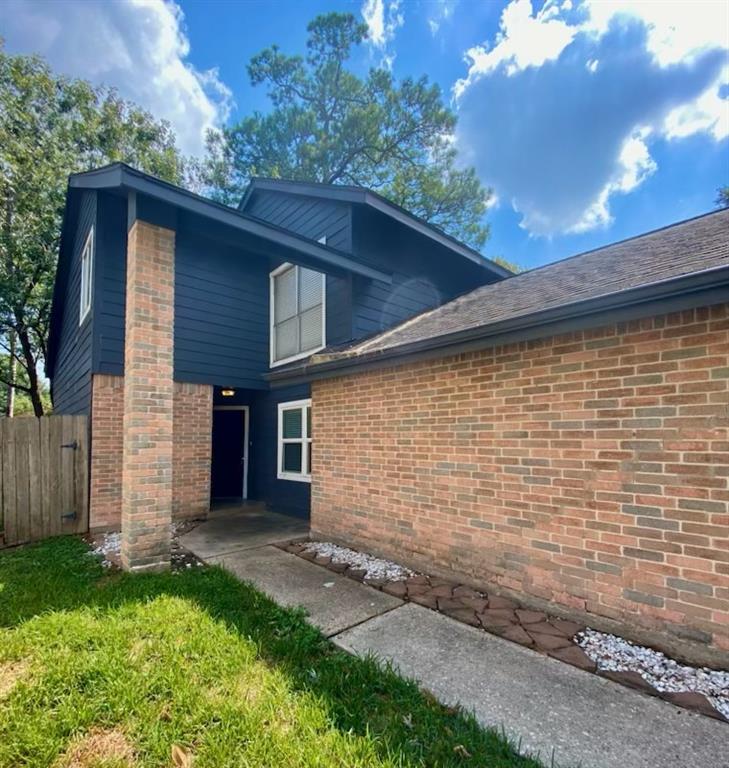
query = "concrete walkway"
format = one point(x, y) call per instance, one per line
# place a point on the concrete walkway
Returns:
point(548, 707)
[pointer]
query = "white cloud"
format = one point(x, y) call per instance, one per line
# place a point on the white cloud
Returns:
point(524, 40)
point(439, 12)
point(559, 112)
point(140, 47)
point(383, 18)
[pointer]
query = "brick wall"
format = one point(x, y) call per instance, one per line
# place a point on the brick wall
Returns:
point(107, 415)
point(191, 447)
point(191, 450)
point(589, 469)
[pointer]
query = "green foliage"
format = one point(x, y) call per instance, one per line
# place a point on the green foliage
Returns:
point(50, 127)
point(722, 197)
point(328, 125)
point(23, 405)
point(199, 660)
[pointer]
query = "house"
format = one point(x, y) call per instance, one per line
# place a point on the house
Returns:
point(563, 433)
point(169, 310)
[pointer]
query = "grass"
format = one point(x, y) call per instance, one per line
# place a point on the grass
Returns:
point(194, 668)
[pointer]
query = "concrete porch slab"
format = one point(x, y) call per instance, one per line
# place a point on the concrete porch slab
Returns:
point(233, 530)
point(545, 704)
point(333, 602)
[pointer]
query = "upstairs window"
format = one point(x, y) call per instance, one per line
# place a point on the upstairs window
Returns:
point(297, 313)
point(87, 274)
point(294, 441)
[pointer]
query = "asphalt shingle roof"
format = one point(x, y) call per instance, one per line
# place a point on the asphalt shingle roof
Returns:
point(692, 246)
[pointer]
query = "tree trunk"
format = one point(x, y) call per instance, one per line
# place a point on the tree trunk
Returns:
point(30, 369)
point(12, 368)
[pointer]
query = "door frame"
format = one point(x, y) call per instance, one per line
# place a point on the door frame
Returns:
point(246, 439)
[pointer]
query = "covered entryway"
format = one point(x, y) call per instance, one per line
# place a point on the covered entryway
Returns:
point(230, 453)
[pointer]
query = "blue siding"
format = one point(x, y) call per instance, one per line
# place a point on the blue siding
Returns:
point(72, 375)
point(287, 496)
point(221, 313)
point(111, 284)
point(425, 274)
point(307, 216)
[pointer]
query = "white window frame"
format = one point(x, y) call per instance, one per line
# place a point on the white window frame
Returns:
point(86, 290)
point(305, 440)
point(271, 324)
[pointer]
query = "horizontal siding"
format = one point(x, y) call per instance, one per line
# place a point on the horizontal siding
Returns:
point(307, 216)
point(424, 274)
point(109, 319)
point(287, 496)
point(72, 375)
point(221, 313)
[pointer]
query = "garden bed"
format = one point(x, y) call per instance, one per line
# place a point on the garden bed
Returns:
point(699, 688)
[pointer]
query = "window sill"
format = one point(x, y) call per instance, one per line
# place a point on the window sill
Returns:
point(296, 478)
point(300, 356)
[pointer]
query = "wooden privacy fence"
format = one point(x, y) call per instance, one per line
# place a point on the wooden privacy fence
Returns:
point(43, 477)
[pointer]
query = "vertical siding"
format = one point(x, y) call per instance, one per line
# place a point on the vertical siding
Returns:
point(72, 375)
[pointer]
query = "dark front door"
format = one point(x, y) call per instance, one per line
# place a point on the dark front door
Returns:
point(230, 454)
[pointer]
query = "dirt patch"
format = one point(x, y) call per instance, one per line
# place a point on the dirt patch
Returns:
point(11, 673)
point(99, 749)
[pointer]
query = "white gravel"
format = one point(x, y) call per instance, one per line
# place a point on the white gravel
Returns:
point(110, 544)
point(663, 673)
point(374, 567)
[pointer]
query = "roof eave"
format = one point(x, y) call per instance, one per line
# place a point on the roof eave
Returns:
point(379, 203)
point(121, 176)
point(709, 286)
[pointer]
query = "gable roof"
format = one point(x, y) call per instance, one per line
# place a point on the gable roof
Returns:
point(122, 179)
point(375, 201)
point(692, 255)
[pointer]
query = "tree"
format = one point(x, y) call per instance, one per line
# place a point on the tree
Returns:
point(328, 125)
point(722, 197)
point(50, 127)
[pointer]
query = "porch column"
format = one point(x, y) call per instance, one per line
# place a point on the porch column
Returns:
point(148, 398)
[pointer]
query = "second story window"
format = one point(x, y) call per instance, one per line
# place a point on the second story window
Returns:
point(87, 274)
point(297, 313)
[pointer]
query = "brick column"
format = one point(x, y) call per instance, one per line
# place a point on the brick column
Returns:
point(148, 398)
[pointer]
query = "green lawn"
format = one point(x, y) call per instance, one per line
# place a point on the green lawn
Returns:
point(108, 669)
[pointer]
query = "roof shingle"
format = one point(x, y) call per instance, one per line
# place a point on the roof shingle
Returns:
point(689, 247)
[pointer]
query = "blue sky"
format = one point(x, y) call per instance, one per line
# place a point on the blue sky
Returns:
point(591, 120)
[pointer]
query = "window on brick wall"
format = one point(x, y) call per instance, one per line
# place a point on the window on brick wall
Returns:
point(294, 441)
point(297, 313)
point(87, 274)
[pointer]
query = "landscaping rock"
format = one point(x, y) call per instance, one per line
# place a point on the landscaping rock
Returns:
point(530, 617)
point(492, 620)
point(517, 634)
point(442, 590)
point(427, 601)
point(631, 679)
point(567, 628)
point(417, 589)
point(575, 656)
point(544, 628)
point(503, 615)
point(396, 589)
point(477, 604)
point(419, 578)
point(357, 574)
point(338, 567)
point(692, 700)
point(446, 604)
point(548, 643)
point(376, 583)
point(496, 601)
point(465, 615)
point(463, 591)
